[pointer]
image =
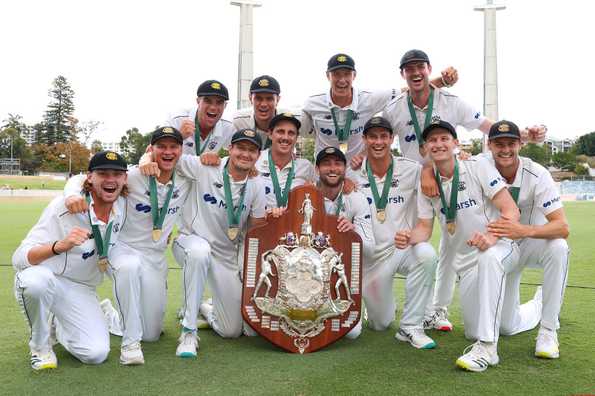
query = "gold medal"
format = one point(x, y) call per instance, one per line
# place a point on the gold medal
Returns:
point(103, 263)
point(343, 147)
point(232, 232)
point(451, 227)
point(381, 215)
point(156, 234)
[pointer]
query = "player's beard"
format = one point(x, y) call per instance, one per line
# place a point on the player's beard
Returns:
point(326, 182)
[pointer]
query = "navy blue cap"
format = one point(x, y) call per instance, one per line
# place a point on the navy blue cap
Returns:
point(504, 129)
point(266, 84)
point(378, 122)
point(285, 117)
point(414, 55)
point(340, 61)
point(328, 151)
point(439, 124)
point(107, 160)
point(166, 132)
point(212, 88)
point(247, 134)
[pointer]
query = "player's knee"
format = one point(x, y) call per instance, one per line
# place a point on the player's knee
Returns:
point(379, 324)
point(231, 331)
point(152, 334)
point(39, 284)
point(425, 252)
point(355, 332)
point(558, 248)
point(198, 255)
point(129, 267)
point(93, 355)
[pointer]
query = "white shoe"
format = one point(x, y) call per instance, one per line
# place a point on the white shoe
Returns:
point(415, 337)
point(112, 317)
point(43, 360)
point(479, 358)
point(206, 310)
point(188, 345)
point(132, 354)
point(438, 320)
point(547, 344)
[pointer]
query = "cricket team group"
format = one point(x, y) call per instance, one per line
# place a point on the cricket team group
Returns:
point(498, 212)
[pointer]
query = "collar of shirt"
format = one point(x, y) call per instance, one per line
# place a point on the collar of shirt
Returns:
point(113, 213)
point(265, 161)
point(352, 106)
point(436, 93)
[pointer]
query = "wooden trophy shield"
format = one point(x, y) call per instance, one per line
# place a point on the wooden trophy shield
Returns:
point(302, 278)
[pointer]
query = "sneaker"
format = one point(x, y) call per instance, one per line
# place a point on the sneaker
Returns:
point(132, 354)
point(188, 345)
point(112, 317)
point(202, 322)
point(206, 309)
point(43, 360)
point(438, 320)
point(479, 358)
point(547, 344)
point(415, 337)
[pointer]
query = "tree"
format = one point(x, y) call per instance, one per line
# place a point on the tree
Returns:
point(59, 121)
point(62, 157)
point(96, 146)
point(564, 161)
point(307, 146)
point(586, 144)
point(537, 153)
point(13, 145)
point(15, 121)
point(476, 146)
point(133, 145)
point(86, 130)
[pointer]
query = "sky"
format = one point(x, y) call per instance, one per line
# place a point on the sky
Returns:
point(131, 63)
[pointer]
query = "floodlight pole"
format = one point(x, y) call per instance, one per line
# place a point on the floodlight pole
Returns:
point(490, 62)
point(245, 55)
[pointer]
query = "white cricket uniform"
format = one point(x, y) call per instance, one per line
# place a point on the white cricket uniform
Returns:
point(244, 119)
point(413, 262)
point(303, 173)
point(203, 239)
point(482, 274)
point(219, 138)
point(139, 265)
point(446, 107)
point(317, 118)
point(355, 208)
point(65, 284)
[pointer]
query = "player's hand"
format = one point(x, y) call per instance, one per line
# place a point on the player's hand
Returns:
point(356, 161)
point(147, 165)
point(504, 228)
point(429, 187)
point(482, 241)
point(76, 237)
point(344, 225)
point(536, 133)
point(210, 159)
point(450, 76)
point(275, 213)
point(187, 128)
point(402, 239)
point(348, 186)
point(253, 172)
point(76, 204)
point(464, 155)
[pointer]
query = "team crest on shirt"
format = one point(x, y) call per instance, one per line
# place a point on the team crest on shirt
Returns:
point(116, 227)
point(212, 145)
point(435, 119)
point(394, 183)
point(462, 186)
point(176, 194)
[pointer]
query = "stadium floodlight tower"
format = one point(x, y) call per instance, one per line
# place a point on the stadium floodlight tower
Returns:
point(490, 62)
point(245, 55)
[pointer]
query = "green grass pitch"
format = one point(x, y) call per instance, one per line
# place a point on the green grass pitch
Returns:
point(374, 364)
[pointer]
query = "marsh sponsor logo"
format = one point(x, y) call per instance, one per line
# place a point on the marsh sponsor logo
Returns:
point(86, 255)
point(410, 138)
point(494, 182)
point(463, 205)
point(140, 207)
point(210, 199)
point(394, 200)
point(551, 202)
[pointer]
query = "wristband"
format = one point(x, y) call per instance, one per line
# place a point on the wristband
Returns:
point(54, 248)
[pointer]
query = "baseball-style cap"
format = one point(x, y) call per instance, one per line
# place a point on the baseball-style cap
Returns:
point(328, 151)
point(340, 61)
point(285, 117)
point(504, 129)
point(212, 88)
point(248, 135)
point(265, 84)
point(107, 160)
point(378, 122)
point(439, 124)
point(414, 55)
point(166, 132)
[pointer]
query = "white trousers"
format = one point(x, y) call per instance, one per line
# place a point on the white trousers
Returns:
point(80, 325)
point(140, 292)
point(417, 263)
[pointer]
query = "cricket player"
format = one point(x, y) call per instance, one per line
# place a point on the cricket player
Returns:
point(391, 185)
point(472, 194)
point(337, 117)
point(202, 126)
point(62, 260)
point(139, 266)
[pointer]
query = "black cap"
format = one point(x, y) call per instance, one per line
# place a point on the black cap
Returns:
point(212, 88)
point(414, 55)
point(378, 122)
point(504, 129)
point(265, 84)
point(166, 132)
point(340, 61)
point(285, 117)
point(327, 151)
point(439, 124)
point(107, 160)
point(248, 135)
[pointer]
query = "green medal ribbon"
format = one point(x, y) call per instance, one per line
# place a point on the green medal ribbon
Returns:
point(339, 204)
point(342, 133)
point(282, 196)
point(159, 214)
point(101, 243)
point(199, 150)
point(515, 191)
point(450, 211)
point(233, 217)
point(427, 120)
point(380, 201)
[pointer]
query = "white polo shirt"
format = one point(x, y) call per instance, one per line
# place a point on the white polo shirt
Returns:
point(220, 136)
point(479, 182)
point(79, 264)
point(401, 212)
point(446, 107)
point(205, 213)
point(317, 118)
point(304, 172)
